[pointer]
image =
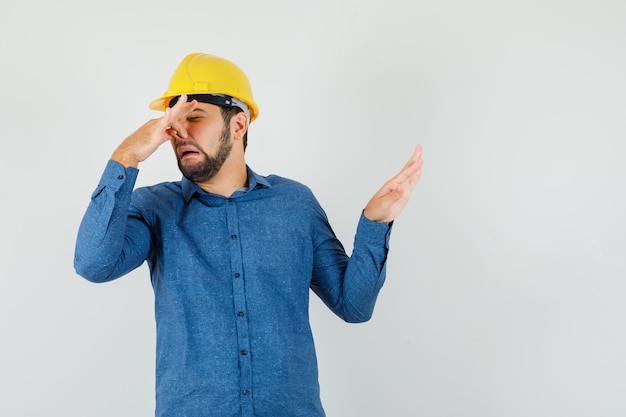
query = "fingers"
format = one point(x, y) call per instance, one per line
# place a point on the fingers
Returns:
point(165, 119)
point(415, 174)
point(412, 170)
point(393, 197)
point(416, 156)
point(173, 127)
point(173, 117)
point(415, 161)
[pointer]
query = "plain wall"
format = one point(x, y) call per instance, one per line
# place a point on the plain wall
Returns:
point(505, 286)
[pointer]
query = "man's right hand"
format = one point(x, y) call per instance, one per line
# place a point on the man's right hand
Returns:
point(141, 144)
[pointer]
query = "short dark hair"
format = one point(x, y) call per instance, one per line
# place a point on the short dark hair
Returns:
point(227, 114)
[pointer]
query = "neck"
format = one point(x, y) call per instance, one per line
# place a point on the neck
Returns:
point(231, 177)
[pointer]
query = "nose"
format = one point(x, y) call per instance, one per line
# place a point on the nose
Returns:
point(181, 129)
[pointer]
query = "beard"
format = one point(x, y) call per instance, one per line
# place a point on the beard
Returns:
point(209, 166)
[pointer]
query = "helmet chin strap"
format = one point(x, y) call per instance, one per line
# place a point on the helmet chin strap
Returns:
point(216, 99)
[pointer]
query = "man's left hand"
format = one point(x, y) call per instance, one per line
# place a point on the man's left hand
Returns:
point(394, 195)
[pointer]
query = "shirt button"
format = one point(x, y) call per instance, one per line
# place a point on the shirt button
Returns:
point(230, 200)
point(246, 392)
point(241, 314)
point(237, 275)
point(234, 237)
point(244, 352)
point(120, 177)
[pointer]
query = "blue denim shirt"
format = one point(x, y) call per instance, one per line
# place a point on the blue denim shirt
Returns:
point(231, 279)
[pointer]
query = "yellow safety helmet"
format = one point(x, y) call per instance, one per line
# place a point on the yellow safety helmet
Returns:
point(204, 74)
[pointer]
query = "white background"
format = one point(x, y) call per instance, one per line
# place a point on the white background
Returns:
point(506, 276)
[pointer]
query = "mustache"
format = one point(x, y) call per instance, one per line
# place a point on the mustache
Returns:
point(186, 142)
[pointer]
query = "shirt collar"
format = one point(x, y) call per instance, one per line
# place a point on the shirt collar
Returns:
point(254, 181)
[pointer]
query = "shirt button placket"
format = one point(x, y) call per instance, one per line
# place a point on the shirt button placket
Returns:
point(239, 296)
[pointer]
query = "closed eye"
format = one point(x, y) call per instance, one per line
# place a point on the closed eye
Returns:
point(196, 115)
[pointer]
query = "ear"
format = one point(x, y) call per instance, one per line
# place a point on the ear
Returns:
point(239, 125)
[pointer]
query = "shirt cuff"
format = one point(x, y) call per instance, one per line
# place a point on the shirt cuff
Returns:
point(373, 233)
point(118, 178)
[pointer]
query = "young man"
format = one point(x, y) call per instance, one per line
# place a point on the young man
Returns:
point(232, 254)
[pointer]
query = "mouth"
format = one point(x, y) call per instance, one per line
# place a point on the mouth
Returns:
point(186, 151)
